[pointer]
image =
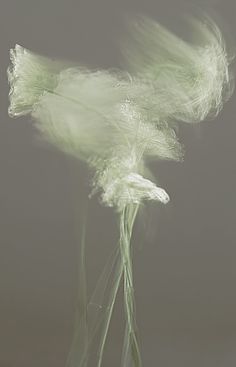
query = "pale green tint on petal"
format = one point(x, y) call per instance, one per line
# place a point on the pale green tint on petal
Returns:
point(29, 75)
point(91, 115)
point(186, 81)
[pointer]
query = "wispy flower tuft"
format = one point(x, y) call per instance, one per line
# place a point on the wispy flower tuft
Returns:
point(91, 115)
point(30, 76)
point(186, 81)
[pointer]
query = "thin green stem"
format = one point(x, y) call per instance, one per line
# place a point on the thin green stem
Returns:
point(80, 338)
point(131, 346)
point(114, 290)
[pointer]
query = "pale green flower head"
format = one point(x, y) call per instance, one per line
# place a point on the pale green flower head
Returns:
point(187, 81)
point(92, 116)
point(118, 121)
point(29, 76)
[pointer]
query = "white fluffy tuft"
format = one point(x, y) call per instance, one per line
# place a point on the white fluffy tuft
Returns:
point(115, 122)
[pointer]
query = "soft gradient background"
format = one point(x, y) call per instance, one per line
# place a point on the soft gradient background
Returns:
point(185, 273)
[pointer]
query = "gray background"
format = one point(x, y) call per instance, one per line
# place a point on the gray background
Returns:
point(185, 273)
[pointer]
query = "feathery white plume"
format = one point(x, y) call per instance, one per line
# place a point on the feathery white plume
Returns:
point(186, 81)
point(29, 76)
point(90, 115)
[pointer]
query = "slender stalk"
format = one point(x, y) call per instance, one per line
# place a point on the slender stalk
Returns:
point(131, 352)
point(89, 326)
point(80, 338)
point(113, 294)
point(102, 301)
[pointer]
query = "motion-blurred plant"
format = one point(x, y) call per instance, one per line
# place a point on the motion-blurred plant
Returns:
point(117, 122)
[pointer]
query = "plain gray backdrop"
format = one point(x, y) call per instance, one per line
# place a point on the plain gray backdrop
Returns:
point(184, 264)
